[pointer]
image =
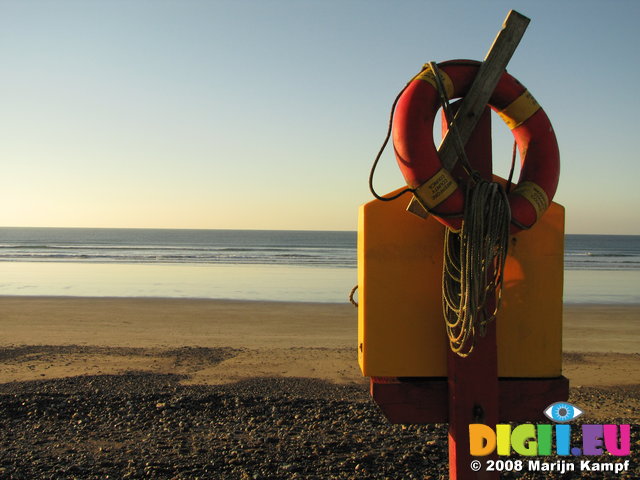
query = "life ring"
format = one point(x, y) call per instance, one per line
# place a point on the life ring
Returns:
point(418, 158)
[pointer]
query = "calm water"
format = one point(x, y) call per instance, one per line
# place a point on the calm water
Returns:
point(151, 246)
point(250, 264)
point(236, 264)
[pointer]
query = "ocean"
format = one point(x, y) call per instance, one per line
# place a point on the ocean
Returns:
point(275, 265)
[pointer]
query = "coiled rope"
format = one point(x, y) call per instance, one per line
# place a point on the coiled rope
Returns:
point(474, 258)
point(474, 265)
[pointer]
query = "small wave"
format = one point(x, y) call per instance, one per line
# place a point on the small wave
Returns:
point(308, 260)
point(622, 255)
point(609, 262)
point(602, 266)
point(600, 254)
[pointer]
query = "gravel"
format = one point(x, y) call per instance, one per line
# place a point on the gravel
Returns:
point(141, 425)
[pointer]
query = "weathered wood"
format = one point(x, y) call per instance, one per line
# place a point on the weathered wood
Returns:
point(484, 84)
point(479, 93)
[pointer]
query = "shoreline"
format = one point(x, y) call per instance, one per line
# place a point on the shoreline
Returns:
point(224, 299)
point(567, 305)
point(196, 299)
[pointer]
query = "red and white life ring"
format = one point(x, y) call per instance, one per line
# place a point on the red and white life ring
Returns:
point(418, 158)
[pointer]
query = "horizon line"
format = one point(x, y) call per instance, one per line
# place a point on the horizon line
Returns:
point(254, 229)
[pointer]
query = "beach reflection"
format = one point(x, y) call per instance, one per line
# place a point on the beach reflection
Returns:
point(602, 286)
point(252, 282)
point(245, 282)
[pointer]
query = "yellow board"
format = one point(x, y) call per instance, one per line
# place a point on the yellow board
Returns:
point(400, 322)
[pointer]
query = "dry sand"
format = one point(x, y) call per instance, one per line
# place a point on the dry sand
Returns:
point(54, 337)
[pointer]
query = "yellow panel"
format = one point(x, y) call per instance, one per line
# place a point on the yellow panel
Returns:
point(400, 322)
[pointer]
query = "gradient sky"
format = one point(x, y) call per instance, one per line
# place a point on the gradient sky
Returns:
point(267, 114)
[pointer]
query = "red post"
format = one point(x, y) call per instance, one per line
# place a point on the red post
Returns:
point(473, 381)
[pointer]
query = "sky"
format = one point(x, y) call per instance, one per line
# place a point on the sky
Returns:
point(267, 114)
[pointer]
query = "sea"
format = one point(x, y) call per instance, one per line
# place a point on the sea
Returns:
point(272, 265)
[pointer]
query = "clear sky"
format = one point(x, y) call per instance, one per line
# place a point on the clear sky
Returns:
point(267, 114)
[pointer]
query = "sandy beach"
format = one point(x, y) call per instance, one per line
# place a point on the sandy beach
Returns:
point(55, 337)
point(298, 356)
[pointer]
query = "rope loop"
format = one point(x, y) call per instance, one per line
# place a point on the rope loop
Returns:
point(474, 258)
point(351, 298)
point(384, 145)
point(474, 262)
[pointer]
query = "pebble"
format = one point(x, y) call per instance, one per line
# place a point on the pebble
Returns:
point(140, 425)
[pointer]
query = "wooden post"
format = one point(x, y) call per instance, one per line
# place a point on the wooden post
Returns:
point(473, 381)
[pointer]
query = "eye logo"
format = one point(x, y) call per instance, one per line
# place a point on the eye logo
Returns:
point(562, 412)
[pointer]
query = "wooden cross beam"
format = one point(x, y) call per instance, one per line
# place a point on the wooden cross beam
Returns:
point(475, 101)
